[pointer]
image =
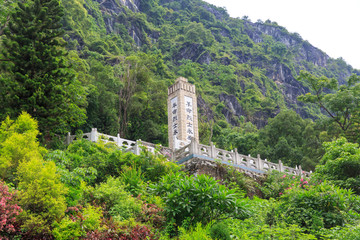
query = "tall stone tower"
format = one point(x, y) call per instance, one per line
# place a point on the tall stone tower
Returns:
point(182, 113)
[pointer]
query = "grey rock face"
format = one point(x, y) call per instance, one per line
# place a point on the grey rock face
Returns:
point(233, 111)
point(195, 52)
point(232, 108)
point(285, 80)
point(204, 109)
point(304, 51)
point(217, 14)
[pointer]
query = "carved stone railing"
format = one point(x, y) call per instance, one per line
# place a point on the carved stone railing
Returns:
point(194, 149)
point(233, 158)
point(182, 153)
point(125, 144)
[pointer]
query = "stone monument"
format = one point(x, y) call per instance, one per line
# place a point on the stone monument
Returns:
point(182, 114)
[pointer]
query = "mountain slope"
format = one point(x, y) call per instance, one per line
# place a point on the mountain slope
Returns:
point(244, 71)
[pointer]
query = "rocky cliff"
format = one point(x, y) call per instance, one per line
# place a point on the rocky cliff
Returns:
point(273, 56)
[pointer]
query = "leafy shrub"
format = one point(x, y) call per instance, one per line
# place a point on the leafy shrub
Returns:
point(320, 206)
point(200, 199)
point(251, 229)
point(220, 231)
point(264, 224)
point(276, 183)
point(118, 202)
point(67, 229)
point(132, 178)
point(236, 179)
point(95, 162)
point(200, 232)
point(139, 233)
point(42, 196)
point(78, 223)
point(150, 213)
point(18, 143)
point(153, 166)
point(125, 230)
point(341, 164)
point(95, 158)
point(348, 232)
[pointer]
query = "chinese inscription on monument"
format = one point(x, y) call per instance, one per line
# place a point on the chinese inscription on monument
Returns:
point(182, 113)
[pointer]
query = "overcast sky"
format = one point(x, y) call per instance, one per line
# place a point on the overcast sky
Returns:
point(330, 25)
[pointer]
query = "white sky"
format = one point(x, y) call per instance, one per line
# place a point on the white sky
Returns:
point(330, 25)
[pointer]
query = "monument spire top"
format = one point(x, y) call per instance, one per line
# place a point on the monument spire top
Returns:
point(181, 79)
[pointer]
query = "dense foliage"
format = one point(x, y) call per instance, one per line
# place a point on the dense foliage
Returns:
point(75, 65)
point(341, 164)
point(120, 60)
point(97, 191)
point(38, 79)
point(198, 199)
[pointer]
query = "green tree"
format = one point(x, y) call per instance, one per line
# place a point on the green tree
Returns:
point(134, 75)
point(142, 99)
point(42, 196)
point(341, 164)
point(284, 139)
point(7, 7)
point(341, 104)
point(40, 81)
point(18, 144)
point(197, 33)
point(102, 98)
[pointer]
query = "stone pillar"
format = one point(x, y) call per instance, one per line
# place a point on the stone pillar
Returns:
point(281, 169)
point(194, 147)
point(118, 140)
point(236, 157)
point(248, 160)
point(182, 113)
point(212, 150)
point(68, 138)
point(300, 171)
point(137, 148)
point(93, 135)
point(260, 164)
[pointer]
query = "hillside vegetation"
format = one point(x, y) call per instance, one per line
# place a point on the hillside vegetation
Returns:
point(73, 65)
point(123, 56)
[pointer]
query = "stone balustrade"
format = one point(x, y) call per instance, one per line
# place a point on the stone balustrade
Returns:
point(125, 144)
point(233, 158)
point(194, 149)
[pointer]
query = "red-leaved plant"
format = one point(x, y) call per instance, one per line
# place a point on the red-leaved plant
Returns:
point(152, 214)
point(9, 227)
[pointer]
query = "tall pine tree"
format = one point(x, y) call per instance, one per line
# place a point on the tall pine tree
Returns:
point(39, 80)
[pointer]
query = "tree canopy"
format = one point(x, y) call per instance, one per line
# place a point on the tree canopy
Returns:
point(38, 79)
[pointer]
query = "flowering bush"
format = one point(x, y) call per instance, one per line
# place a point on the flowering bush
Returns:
point(277, 183)
point(8, 212)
